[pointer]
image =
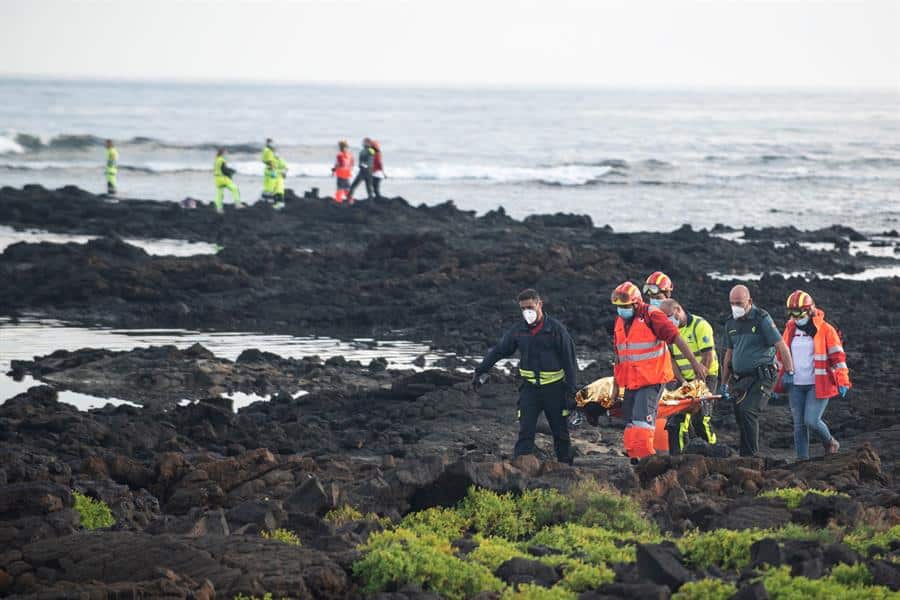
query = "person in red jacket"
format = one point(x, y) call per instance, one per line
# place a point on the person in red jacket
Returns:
point(643, 364)
point(343, 171)
point(820, 371)
point(377, 168)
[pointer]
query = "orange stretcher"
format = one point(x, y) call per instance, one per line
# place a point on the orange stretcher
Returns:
point(596, 397)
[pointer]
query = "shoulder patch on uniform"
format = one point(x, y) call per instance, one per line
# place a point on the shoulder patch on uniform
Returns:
point(705, 339)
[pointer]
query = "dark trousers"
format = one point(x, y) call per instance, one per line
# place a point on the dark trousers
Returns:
point(362, 175)
point(751, 396)
point(376, 185)
point(551, 399)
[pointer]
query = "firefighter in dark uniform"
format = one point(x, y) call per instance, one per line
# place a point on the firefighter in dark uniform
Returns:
point(548, 370)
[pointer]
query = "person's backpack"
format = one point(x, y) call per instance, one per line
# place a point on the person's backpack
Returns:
point(227, 171)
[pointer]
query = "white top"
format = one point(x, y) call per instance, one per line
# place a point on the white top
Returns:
point(802, 353)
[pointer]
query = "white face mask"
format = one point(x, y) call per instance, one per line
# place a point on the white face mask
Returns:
point(530, 315)
point(738, 311)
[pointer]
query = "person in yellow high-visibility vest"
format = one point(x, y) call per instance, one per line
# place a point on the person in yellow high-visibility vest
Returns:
point(278, 190)
point(268, 155)
point(698, 334)
point(270, 179)
point(112, 168)
point(222, 176)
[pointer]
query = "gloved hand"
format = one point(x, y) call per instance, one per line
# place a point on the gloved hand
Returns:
point(843, 389)
point(478, 380)
point(571, 404)
point(725, 394)
point(787, 379)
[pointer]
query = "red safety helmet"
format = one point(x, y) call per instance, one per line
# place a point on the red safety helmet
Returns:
point(626, 293)
point(658, 282)
point(799, 300)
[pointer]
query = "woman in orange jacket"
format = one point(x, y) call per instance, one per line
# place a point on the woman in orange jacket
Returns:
point(820, 371)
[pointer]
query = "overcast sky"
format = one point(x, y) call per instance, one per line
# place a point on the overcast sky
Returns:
point(659, 43)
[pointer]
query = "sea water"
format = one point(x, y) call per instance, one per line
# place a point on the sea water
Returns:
point(634, 159)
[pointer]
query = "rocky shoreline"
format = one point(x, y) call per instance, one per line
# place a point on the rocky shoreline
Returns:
point(192, 486)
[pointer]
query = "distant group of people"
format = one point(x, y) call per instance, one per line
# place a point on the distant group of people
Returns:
point(659, 343)
point(371, 170)
point(275, 168)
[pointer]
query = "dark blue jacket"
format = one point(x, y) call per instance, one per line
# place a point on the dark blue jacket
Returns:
point(551, 349)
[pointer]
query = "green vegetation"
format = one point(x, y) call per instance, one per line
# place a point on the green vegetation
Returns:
point(864, 538)
point(285, 536)
point(843, 585)
point(403, 556)
point(266, 596)
point(94, 514)
point(793, 496)
point(731, 549)
point(705, 589)
point(347, 514)
point(590, 528)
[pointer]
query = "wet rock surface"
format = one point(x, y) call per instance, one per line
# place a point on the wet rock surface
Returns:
point(193, 486)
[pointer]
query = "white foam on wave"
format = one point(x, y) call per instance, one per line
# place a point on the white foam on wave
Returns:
point(8, 145)
point(155, 247)
point(865, 275)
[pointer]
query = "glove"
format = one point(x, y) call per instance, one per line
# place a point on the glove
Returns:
point(571, 404)
point(725, 394)
point(787, 379)
point(478, 380)
point(843, 389)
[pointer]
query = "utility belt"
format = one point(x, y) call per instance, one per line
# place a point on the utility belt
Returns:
point(542, 377)
point(760, 372)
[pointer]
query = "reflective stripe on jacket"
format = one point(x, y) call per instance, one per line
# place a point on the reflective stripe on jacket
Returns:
point(642, 358)
point(829, 360)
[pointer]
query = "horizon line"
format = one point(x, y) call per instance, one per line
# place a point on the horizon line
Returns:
point(455, 85)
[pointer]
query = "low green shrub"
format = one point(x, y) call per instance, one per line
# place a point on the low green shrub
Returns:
point(531, 591)
point(402, 556)
point(496, 514)
point(705, 589)
point(598, 506)
point(597, 545)
point(781, 585)
point(345, 514)
point(442, 522)
point(865, 537)
point(851, 575)
point(581, 577)
point(793, 496)
point(494, 551)
point(285, 536)
point(546, 507)
point(730, 549)
point(266, 596)
point(94, 514)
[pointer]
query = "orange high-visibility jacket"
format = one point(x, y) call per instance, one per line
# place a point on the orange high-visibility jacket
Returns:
point(343, 166)
point(829, 360)
point(643, 359)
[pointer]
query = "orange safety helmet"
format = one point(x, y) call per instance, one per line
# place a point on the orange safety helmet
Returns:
point(658, 282)
point(799, 300)
point(626, 293)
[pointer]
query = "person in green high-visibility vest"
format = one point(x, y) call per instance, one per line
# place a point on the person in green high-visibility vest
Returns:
point(112, 168)
point(698, 333)
point(267, 157)
point(222, 176)
point(278, 189)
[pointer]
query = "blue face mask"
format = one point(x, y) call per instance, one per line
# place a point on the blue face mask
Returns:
point(674, 320)
point(802, 321)
point(625, 313)
point(655, 301)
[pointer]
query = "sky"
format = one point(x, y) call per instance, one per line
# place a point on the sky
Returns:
point(556, 43)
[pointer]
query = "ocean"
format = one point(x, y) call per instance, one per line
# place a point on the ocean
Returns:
point(632, 159)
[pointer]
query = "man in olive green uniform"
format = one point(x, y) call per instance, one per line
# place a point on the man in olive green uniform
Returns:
point(748, 369)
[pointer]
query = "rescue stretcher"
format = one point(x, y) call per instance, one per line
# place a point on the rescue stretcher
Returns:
point(596, 398)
